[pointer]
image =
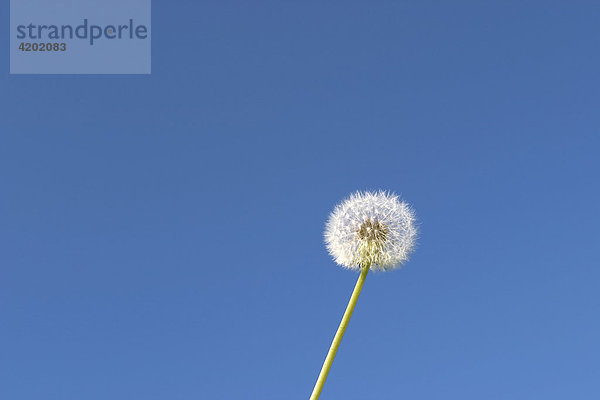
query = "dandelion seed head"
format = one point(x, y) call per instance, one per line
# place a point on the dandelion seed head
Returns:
point(372, 229)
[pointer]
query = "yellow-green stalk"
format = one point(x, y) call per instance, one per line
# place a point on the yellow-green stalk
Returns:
point(339, 334)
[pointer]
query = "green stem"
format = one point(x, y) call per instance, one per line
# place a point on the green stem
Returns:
point(339, 334)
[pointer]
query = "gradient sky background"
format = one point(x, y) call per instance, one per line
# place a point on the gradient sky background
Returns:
point(161, 235)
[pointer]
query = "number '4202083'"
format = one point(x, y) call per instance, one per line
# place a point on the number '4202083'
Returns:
point(24, 46)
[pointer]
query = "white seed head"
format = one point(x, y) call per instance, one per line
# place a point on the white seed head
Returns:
point(372, 229)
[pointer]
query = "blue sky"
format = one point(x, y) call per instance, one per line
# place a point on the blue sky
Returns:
point(161, 235)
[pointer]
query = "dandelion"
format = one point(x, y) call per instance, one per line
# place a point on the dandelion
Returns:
point(369, 230)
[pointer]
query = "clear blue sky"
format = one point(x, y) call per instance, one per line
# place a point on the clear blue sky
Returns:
point(161, 235)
